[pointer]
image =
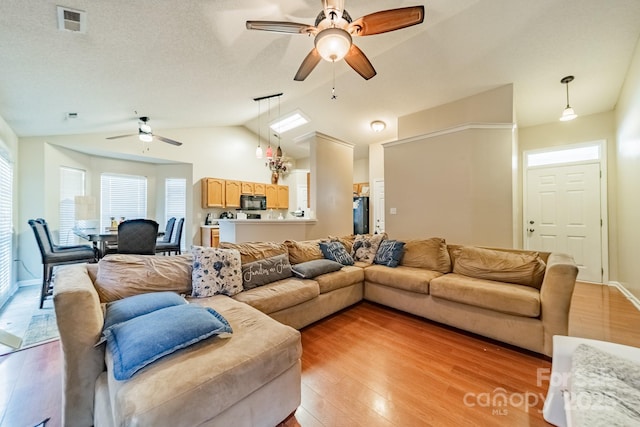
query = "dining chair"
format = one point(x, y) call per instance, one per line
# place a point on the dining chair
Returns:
point(55, 255)
point(137, 236)
point(168, 229)
point(174, 244)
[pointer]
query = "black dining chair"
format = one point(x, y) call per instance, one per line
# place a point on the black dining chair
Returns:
point(174, 244)
point(137, 236)
point(55, 255)
point(168, 229)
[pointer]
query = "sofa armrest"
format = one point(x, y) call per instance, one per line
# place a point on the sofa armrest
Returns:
point(79, 317)
point(555, 297)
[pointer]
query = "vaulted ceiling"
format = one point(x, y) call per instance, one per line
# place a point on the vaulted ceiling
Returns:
point(194, 64)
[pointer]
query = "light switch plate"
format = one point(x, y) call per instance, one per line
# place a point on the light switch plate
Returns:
point(392, 211)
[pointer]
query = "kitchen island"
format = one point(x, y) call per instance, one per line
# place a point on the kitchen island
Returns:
point(264, 230)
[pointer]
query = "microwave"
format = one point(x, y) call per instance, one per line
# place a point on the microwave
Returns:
point(253, 203)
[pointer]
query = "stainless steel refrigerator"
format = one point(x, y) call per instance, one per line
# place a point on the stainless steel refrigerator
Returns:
point(361, 215)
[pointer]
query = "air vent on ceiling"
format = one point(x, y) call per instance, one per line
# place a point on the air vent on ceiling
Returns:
point(72, 20)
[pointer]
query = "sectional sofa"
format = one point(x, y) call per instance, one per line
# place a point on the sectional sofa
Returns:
point(253, 378)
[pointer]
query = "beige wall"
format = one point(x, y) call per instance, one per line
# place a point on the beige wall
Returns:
point(628, 178)
point(331, 186)
point(594, 127)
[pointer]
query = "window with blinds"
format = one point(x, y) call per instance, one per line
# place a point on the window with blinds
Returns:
point(122, 196)
point(175, 200)
point(6, 220)
point(71, 185)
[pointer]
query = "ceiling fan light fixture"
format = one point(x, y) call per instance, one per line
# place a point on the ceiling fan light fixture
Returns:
point(333, 44)
point(378, 125)
point(145, 128)
point(145, 137)
point(568, 113)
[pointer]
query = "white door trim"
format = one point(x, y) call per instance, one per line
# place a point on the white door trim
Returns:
point(604, 229)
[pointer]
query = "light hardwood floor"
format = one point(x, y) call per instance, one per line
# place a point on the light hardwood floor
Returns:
point(373, 366)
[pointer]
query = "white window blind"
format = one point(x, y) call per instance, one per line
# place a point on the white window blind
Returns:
point(71, 185)
point(122, 196)
point(6, 223)
point(175, 200)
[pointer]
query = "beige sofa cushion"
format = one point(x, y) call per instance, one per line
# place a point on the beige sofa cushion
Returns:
point(407, 278)
point(347, 276)
point(512, 267)
point(431, 254)
point(303, 251)
point(193, 385)
point(253, 251)
point(121, 276)
point(503, 297)
point(279, 295)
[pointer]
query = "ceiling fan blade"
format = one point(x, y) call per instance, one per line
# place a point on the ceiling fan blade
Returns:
point(308, 65)
point(387, 20)
point(168, 141)
point(359, 62)
point(281, 27)
point(121, 136)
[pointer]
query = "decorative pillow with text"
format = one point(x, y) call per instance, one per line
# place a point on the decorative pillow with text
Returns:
point(261, 272)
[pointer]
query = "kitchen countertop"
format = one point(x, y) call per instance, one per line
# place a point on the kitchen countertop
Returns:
point(268, 221)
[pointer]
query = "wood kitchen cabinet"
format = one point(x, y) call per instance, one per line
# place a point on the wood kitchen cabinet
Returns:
point(259, 189)
point(210, 237)
point(247, 187)
point(277, 196)
point(232, 189)
point(213, 193)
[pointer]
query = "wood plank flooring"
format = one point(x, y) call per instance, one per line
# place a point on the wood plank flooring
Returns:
point(373, 366)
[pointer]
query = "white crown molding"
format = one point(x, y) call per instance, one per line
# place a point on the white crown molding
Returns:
point(314, 134)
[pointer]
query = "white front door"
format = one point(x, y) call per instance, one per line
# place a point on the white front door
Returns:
point(563, 215)
point(378, 206)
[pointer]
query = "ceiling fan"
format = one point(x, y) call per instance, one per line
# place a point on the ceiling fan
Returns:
point(334, 29)
point(145, 134)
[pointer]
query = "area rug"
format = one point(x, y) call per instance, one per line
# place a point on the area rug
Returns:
point(42, 328)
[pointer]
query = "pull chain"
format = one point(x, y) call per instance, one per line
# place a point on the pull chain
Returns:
point(333, 89)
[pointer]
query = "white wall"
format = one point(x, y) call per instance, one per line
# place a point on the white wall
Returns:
point(628, 163)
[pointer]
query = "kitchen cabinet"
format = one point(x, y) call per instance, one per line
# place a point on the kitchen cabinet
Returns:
point(277, 196)
point(361, 189)
point(213, 193)
point(259, 189)
point(232, 190)
point(247, 187)
point(210, 236)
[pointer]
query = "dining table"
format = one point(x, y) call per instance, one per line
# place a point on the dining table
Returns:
point(101, 238)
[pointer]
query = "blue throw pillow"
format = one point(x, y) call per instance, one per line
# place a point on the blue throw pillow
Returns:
point(142, 340)
point(316, 267)
point(138, 305)
point(335, 251)
point(389, 253)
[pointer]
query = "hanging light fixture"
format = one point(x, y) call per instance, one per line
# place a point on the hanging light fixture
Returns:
point(279, 150)
point(568, 113)
point(258, 148)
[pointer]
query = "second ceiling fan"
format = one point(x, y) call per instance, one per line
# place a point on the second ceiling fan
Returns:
point(334, 29)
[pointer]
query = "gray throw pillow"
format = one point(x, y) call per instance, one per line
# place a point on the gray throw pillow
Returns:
point(261, 272)
point(314, 268)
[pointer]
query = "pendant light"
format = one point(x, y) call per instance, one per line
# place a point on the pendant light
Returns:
point(258, 148)
point(279, 150)
point(269, 150)
point(568, 113)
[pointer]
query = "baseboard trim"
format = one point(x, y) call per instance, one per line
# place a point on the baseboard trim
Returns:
point(30, 282)
point(631, 297)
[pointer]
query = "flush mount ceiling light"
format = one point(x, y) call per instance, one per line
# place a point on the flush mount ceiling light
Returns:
point(378, 125)
point(568, 113)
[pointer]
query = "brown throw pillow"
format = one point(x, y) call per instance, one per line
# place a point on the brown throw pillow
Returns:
point(303, 251)
point(121, 276)
point(254, 251)
point(431, 254)
point(511, 267)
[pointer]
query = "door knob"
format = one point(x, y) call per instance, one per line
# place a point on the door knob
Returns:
point(531, 230)
point(531, 222)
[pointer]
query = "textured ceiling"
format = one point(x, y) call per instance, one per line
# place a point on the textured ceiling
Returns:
point(193, 63)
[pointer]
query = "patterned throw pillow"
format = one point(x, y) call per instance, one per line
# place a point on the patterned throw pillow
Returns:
point(215, 271)
point(365, 247)
point(261, 272)
point(335, 251)
point(389, 253)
